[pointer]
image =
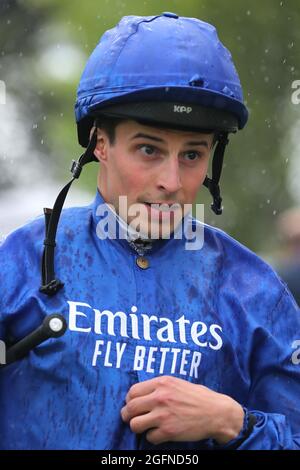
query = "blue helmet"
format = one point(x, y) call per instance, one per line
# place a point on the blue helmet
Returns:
point(165, 69)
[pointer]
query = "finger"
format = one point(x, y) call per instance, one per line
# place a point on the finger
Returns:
point(156, 436)
point(137, 406)
point(142, 388)
point(148, 386)
point(140, 424)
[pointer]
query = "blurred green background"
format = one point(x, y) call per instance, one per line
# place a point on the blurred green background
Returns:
point(45, 44)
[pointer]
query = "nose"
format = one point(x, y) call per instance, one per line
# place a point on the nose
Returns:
point(169, 179)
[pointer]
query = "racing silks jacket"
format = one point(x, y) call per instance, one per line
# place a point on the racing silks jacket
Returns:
point(217, 316)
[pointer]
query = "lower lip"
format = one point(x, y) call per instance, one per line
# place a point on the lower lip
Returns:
point(160, 214)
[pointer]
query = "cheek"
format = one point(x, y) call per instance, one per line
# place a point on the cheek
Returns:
point(128, 178)
point(192, 191)
point(132, 178)
point(194, 180)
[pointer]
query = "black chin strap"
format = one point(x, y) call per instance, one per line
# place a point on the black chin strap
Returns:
point(50, 284)
point(213, 183)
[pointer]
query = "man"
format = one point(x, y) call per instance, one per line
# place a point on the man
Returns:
point(168, 346)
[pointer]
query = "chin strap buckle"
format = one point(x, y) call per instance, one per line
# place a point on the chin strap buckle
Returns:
point(52, 287)
point(76, 169)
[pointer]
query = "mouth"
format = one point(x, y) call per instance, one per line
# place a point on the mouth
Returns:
point(162, 206)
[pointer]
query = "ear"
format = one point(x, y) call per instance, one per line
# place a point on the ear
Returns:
point(102, 146)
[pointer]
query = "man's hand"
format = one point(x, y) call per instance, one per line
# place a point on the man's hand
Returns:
point(172, 409)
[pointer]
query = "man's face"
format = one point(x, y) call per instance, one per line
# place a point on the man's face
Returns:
point(154, 166)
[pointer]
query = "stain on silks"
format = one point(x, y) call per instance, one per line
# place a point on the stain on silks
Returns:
point(192, 293)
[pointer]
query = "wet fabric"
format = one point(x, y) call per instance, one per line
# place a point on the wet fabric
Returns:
point(218, 316)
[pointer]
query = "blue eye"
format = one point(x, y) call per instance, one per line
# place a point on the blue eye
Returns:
point(148, 150)
point(191, 156)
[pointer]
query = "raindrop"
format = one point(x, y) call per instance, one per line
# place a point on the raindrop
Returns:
point(292, 69)
point(263, 172)
point(61, 114)
point(274, 212)
point(286, 160)
point(44, 118)
point(248, 12)
point(34, 126)
point(268, 201)
point(8, 22)
point(290, 45)
point(42, 142)
point(281, 3)
point(266, 51)
point(79, 28)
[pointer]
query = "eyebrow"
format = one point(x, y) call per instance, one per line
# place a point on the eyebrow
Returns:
point(158, 139)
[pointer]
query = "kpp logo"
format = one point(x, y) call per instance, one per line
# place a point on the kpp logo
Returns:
point(182, 109)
